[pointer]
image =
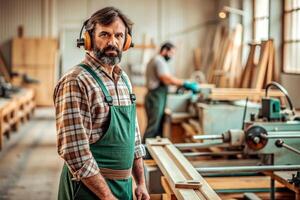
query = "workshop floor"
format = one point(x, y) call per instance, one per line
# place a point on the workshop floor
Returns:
point(29, 164)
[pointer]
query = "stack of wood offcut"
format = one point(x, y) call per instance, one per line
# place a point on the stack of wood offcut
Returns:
point(225, 68)
point(259, 72)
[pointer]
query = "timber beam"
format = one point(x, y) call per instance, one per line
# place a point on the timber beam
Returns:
point(182, 177)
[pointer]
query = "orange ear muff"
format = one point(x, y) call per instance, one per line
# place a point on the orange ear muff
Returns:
point(127, 43)
point(87, 41)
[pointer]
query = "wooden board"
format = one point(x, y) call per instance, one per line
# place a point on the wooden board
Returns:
point(262, 66)
point(39, 52)
point(176, 168)
point(226, 65)
point(4, 69)
point(252, 182)
point(271, 64)
point(246, 75)
point(231, 94)
point(36, 57)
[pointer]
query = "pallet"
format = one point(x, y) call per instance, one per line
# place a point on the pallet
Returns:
point(15, 111)
point(25, 104)
point(8, 118)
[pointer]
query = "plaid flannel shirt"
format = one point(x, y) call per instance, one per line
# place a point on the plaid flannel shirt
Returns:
point(82, 115)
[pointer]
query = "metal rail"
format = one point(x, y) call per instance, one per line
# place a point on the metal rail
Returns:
point(248, 168)
point(184, 146)
point(226, 153)
point(282, 134)
point(208, 137)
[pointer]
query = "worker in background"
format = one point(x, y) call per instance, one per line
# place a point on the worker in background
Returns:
point(158, 78)
point(97, 132)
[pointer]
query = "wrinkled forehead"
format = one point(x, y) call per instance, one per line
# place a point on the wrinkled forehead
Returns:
point(117, 25)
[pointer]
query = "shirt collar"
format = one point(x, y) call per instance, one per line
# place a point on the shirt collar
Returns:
point(95, 65)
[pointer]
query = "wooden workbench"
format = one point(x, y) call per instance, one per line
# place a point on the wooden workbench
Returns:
point(14, 111)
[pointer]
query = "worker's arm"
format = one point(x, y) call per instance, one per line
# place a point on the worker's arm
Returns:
point(171, 80)
point(98, 186)
point(168, 79)
point(139, 177)
point(70, 99)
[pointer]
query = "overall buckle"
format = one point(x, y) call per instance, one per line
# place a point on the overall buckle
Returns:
point(132, 98)
point(109, 100)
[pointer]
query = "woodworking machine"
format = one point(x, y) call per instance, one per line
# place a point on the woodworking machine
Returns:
point(268, 142)
point(273, 132)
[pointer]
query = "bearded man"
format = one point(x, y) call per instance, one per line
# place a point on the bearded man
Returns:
point(97, 132)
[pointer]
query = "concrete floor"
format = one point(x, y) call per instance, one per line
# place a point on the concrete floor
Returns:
point(29, 164)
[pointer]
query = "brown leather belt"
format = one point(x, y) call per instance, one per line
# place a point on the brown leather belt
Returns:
point(115, 174)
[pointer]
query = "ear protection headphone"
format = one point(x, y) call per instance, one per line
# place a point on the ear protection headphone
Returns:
point(86, 41)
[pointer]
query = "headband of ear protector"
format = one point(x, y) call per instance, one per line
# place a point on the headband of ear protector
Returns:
point(86, 41)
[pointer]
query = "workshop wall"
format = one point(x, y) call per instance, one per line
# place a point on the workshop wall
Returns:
point(162, 20)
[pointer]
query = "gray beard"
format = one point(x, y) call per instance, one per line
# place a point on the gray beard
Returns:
point(107, 60)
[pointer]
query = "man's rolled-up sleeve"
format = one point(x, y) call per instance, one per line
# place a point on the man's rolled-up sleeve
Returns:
point(73, 123)
point(139, 150)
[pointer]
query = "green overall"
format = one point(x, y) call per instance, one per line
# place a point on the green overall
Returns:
point(114, 151)
point(155, 102)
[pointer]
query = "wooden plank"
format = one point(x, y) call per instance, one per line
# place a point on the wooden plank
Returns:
point(220, 42)
point(176, 168)
point(271, 64)
point(235, 65)
point(34, 51)
point(167, 188)
point(254, 182)
point(246, 76)
point(4, 69)
point(190, 184)
point(37, 57)
point(197, 58)
point(262, 65)
point(145, 46)
point(189, 130)
point(231, 94)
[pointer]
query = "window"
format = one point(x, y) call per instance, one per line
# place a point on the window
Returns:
point(260, 20)
point(291, 37)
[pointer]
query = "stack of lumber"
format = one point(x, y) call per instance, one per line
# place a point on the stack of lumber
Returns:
point(258, 74)
point(37, 58)
point(225, 69)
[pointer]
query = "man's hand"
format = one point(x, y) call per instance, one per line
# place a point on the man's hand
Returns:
point(97, 185)
point(193, 86)
point(141, 192)
point(111, 197)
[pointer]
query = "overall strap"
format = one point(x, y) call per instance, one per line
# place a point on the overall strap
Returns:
point(132, 96)
point(108, 98)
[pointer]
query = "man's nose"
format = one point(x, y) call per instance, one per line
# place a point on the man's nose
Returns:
point(112, 41)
